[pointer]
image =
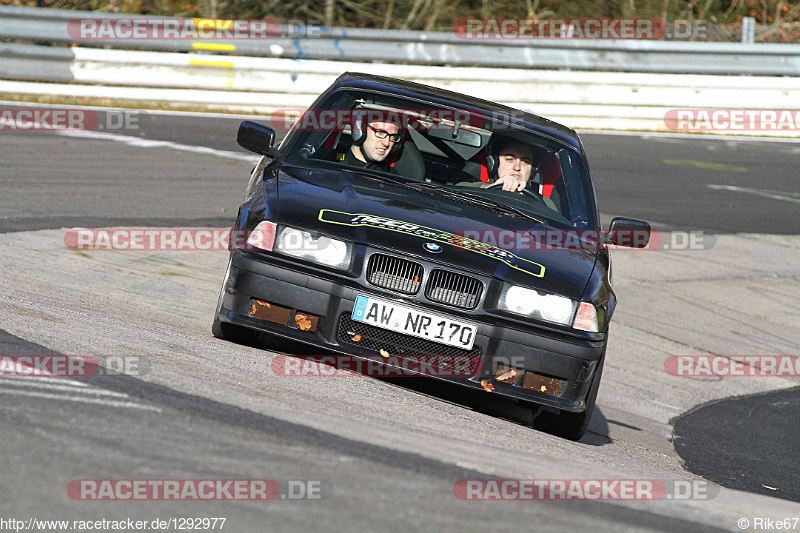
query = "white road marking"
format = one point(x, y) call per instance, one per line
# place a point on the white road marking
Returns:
point(149, 143)
point(59, 381)
point(758, 192)
point(138, 141)
point(80, 399)
point(717, 136)
point(145, 143)
point(666, 405)
point(50, 386)
point(10, 103)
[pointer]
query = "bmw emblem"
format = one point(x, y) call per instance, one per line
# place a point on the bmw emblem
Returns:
point(432, 247)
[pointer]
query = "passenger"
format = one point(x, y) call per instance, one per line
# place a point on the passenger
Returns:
point(371, 148)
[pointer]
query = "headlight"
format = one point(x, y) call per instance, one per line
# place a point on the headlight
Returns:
point(313, 247)
point(545, 306)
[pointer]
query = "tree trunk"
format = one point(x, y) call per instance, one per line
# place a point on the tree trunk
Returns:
point(329, 6)
point(412, 14)
point(431, 24)
point(387, 20)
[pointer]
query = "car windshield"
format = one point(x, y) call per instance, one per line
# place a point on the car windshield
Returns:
point(466, 156)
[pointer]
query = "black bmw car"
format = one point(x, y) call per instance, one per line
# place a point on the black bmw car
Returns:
point(397, 220)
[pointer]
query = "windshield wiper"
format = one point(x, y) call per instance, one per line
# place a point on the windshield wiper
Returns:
point(474, 198)
point(463, 195)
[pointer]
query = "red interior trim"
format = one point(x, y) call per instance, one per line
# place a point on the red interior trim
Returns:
point(551, 173)
point(484, 166)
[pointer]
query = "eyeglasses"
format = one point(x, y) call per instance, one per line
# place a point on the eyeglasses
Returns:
point(382, 134)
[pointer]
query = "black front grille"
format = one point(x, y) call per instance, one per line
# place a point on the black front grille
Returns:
point(453, 289)
point(397, 344)
point(394, 273)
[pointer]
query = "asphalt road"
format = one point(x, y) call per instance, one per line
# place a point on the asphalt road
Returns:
point(159, 432)
point(391, 451)
point(658, 178)
point(764, 422)
point(668, 179)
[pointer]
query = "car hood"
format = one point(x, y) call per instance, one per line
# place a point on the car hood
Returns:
point(370, 211)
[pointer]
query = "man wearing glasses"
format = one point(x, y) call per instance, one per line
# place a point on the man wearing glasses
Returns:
point(372, 151)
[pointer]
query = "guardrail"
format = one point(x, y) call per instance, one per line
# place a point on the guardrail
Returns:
point(604, 100)
point(441, 48)
point(40, 63)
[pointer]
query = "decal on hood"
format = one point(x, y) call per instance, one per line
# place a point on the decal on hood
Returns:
point(362, 219)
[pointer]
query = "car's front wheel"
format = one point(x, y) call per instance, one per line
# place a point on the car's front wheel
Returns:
point(231, 332)
point(572, 425)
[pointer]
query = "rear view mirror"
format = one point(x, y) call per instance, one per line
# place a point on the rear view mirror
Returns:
point(465, 137)
point(628, 232)
point(257, 138)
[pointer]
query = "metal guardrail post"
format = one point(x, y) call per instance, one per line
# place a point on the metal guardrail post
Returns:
point(748, 30)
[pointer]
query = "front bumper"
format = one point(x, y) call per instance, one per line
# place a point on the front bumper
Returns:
point(332, 301)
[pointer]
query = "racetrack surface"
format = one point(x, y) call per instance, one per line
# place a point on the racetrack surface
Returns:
point(662, 178)
point(190, 436)
point(391, 450)
point(737, 426)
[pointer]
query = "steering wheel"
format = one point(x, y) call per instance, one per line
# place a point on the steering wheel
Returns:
point(535, 196)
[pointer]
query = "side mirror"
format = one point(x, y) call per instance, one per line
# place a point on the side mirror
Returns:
point(257, 138)
point(628, 232)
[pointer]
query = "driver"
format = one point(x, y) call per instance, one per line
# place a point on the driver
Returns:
point(514, 166)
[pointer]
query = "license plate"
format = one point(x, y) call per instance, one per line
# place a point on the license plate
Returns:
point(409, 321)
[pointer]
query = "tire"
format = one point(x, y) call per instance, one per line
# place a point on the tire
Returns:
point(231, 332)
point(234, 333)
point(573, 426)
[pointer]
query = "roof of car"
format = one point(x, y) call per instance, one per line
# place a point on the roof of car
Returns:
point(434, 94)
